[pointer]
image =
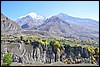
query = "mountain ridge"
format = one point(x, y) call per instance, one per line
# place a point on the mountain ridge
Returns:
point(57, 26)
point(30, 20)
point(8, 25)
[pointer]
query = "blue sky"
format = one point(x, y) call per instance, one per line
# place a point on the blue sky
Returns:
point(82, 9)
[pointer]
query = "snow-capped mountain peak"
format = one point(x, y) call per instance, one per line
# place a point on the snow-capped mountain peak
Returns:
point(30, 20)
point(33, 15)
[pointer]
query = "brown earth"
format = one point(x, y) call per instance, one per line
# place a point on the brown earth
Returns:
point(55, 64)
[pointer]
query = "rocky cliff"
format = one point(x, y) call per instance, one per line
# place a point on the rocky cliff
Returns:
point(46, 54)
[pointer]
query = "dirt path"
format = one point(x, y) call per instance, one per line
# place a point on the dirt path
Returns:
point(55, 64)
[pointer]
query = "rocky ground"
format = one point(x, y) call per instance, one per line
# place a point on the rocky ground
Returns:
point(55, 64)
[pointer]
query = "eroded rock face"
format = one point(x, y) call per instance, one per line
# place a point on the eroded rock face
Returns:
point(63, 57)
point(50, 55)
point(85, 53)
point(43, 53)
point(22, 54)
point(58, 56)
point(37, 54)
point(67, 51)
point(16, 58)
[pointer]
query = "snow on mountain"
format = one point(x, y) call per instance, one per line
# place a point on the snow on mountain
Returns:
point(82, 26)
point(79, 21)
point(30, 20)
point(33, 15)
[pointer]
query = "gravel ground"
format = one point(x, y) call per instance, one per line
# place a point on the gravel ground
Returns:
point(55, 64)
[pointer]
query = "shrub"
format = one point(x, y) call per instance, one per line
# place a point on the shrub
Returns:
point(90, 49)
point(43, 42)
point(96, 50)
point(23, 37)
point(7, 59)
point(27, 42)
point(55, 44)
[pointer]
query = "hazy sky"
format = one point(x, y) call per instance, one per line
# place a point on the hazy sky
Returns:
point(82, 9)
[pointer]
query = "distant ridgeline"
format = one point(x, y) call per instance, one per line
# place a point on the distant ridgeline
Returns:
point(61, 25)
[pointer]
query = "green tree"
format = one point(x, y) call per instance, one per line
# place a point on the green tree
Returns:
point(7, 59)
point(56, 44)
point(27, 42)
point(52, 42)
point(23, 37)
point(43, 42)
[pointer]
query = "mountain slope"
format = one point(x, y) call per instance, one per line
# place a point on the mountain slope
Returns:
point(79, 21)
point(61, 25)
point(8, 25)
point(56, 26)
point(83, 26)
point(30, 20)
